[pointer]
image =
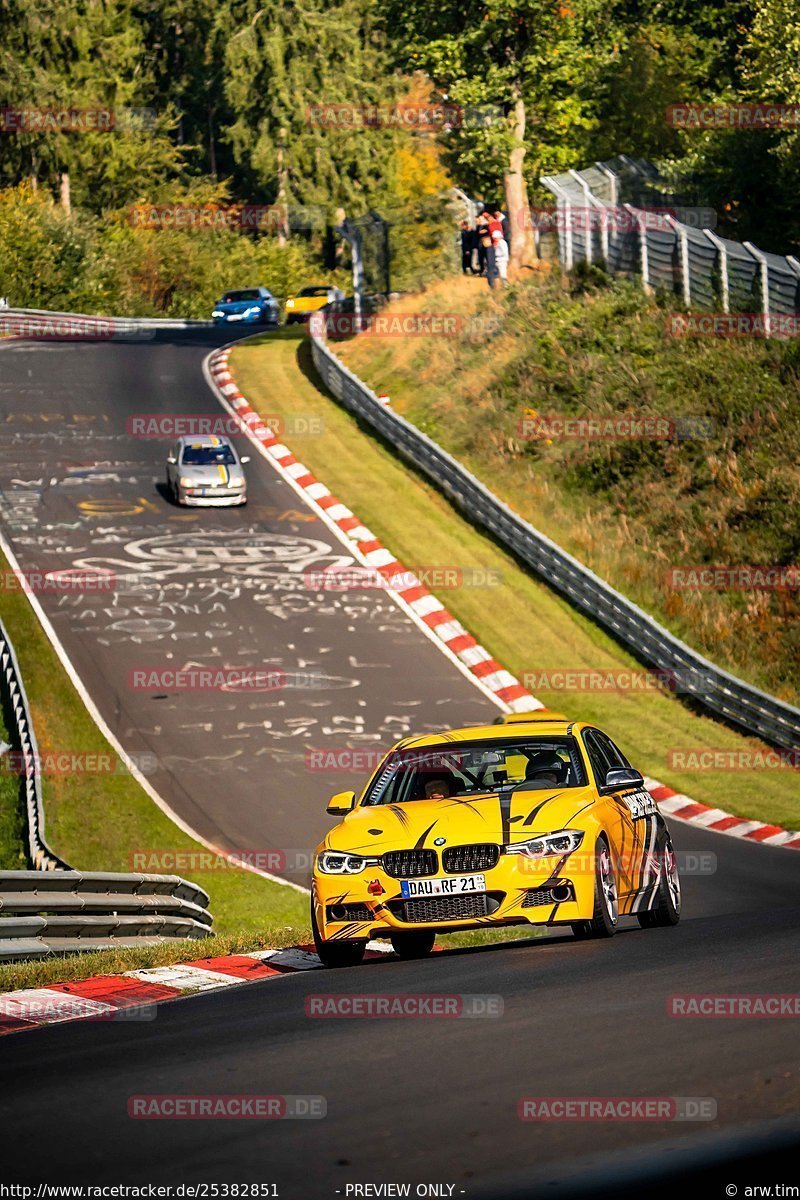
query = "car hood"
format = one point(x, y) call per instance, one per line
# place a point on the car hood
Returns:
point(212, 474)
point(239, 306)
point(514, 816)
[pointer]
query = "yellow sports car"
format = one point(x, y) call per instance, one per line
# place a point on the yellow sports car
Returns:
point(300, 305)
point(533, 820)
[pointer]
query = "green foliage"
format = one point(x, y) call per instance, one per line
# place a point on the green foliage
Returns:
point(85, 264)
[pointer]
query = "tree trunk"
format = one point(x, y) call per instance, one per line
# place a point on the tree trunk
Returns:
point(522, 250)
point(66, 202)
point(283, 214)
point(212, 149)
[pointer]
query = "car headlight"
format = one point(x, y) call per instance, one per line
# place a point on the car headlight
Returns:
point(236, 483)
point(290, 303)
point(562, 842)
point(334, 862)
point(218, 313)
point(187, 481)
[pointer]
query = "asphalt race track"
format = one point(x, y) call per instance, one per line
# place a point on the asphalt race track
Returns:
point(435, 1100)
point(422, 1101)
point(205, 588)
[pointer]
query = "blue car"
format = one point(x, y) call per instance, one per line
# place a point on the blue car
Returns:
point(252, 305)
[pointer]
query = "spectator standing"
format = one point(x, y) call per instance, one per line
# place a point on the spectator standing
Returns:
point(497, 229)
point(481, 232)
point(489, 254)
point(469, 244)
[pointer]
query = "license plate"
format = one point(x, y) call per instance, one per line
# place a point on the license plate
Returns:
point(457, 886)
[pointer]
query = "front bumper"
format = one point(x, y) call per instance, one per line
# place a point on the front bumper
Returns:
point(517, 893)
point(216, 500)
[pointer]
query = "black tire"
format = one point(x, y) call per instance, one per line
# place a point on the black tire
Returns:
point(172, 488)
point(605, 917)
point(666, 908)
point(336, 954)
point(413, 945)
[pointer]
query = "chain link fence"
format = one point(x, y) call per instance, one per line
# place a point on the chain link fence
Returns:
point(623, 216)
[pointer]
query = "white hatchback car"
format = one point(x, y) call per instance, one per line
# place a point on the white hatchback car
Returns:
point(206, 471)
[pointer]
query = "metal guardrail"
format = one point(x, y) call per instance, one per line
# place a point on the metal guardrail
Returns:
point(55, 909)
point(13, 692)
point(64, 911)
point(46, 323)
point(717, 691)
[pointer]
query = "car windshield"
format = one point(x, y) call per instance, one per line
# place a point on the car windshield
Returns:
point(313, 291)
point(208, 456)
point(235, 297)
point(475, 768)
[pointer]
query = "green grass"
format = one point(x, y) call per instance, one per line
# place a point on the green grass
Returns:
point(43, 972)
point(95, 821)
point(520, 621)
point(630, 509)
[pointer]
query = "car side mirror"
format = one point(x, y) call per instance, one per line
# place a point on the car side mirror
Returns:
point(171, 458)
point(623, 777)
point(244, 458)
point(341, 804)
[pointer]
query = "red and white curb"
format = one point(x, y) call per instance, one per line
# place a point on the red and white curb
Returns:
point(451, 635)
point(683, 808)
point(132, 995)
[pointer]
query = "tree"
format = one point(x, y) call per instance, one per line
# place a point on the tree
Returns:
point(525, 73)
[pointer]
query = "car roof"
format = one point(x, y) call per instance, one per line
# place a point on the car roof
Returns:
point(538, 726)
point(204, 439)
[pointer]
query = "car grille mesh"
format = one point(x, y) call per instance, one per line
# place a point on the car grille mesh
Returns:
point(470, 858)
point(445, 908)
point(410, 864)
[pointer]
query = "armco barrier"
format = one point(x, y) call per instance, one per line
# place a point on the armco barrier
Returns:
point(46, 912)
point(13, 692)
point(45, 323)
point(54, 909)
point(720, 693)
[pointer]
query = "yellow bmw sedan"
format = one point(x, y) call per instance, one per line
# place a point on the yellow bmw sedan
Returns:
point(536, 820)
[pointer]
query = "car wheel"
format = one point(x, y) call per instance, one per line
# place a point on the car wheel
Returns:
point(413, 945)
point(606, 897)
point(336, 954)
point(666, 908)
